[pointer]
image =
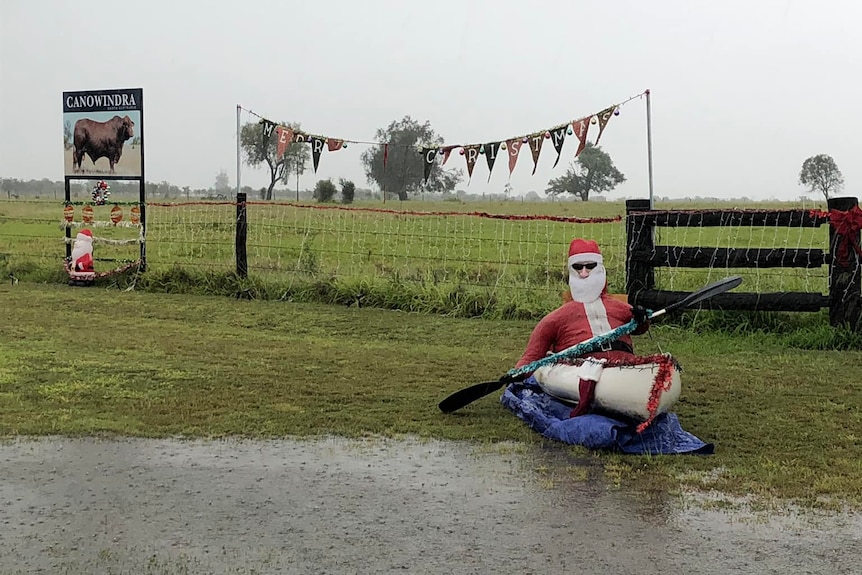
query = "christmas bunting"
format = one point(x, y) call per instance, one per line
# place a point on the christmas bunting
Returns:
point(266, 130)
point(558, 136)
point(285, 137)
point(581, 127)
point(535, 141)
point(604, 116)
point(491, 150)
point(446, 151)
point(514, 146)
point(429, 155)
point(316, 147)
point(471, 153)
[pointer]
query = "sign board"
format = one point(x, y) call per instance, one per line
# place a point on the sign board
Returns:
point(103, 134)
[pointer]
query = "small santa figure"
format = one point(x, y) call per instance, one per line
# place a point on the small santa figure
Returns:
point(82, 252)
point(589, 312)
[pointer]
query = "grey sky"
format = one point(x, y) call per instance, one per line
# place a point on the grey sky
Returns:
point(742, 91)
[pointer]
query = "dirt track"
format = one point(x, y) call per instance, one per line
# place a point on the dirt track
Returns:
point(334, 506)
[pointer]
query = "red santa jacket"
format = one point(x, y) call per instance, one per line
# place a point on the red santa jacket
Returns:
point(575, 322)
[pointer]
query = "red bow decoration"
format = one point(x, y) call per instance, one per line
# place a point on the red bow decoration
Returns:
point(846, 225)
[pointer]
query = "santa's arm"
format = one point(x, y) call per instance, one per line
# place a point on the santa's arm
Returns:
point(541, 340)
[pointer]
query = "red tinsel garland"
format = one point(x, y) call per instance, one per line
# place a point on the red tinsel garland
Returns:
point(661, 383)
point(513, 217)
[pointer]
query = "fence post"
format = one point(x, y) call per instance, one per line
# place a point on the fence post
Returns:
point(639, 275)
point(241, 235)
point(845, 268)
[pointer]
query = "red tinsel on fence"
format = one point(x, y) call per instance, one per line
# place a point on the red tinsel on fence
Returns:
point(846, 225)
point(513, 217)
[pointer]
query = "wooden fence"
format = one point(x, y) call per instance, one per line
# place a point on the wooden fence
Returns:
point(844, 298)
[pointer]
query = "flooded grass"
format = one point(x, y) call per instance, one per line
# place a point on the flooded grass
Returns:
point(103, 362)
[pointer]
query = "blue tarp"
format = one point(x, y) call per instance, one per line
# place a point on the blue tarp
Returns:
point(550, 417)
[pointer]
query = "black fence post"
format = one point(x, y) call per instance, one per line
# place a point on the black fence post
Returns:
point(68, 195)
point(845, 268)
point(639, 238)
point(241, 235)
point(142, 206)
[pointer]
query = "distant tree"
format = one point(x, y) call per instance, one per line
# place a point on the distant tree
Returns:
point(257, 152)
point(324, 191)
point(348, 191)
point(222, 182)
point(592, 171)
point(404, 173)
point(507, 189)
point(821, 174)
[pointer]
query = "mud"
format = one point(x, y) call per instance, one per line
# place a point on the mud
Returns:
point(372, 506)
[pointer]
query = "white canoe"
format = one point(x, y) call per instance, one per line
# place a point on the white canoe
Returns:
point(625, 389)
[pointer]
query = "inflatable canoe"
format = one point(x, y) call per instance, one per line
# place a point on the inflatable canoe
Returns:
point(639, 388)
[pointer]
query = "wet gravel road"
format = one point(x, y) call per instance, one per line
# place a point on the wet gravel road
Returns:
point(372, 506)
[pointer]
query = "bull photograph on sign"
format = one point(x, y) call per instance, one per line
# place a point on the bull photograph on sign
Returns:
point(103, 133)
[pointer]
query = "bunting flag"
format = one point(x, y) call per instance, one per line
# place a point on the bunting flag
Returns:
point(316, 147)
point(471, 153)
point(535, 141)
point(604, 116)
point(558, 136)
point(447, 150)
point(266, 131)
point(285, 137)
point(513, 145)
point(491, 150)
point(429, 154)
point(581, 127)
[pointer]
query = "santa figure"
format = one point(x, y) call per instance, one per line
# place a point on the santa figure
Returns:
point(82, 252)
point(590, 312)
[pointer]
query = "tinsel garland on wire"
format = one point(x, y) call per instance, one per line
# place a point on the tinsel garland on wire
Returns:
point(109, 241)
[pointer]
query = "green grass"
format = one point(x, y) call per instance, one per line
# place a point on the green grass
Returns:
point(457, 264)
point(783, 413)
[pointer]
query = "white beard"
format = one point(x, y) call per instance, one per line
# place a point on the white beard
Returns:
point(590, 288)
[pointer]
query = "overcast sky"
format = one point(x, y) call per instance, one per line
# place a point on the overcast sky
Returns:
point(741, 91)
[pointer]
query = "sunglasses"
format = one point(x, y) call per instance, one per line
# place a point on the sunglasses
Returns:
point(589, 266)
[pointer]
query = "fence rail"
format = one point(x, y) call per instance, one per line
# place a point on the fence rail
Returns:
point(643, 256)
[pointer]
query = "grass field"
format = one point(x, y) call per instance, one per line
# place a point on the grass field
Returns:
point(91, 361)
point(391, 255)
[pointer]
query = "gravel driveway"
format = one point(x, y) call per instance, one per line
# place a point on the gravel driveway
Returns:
point(372, 506)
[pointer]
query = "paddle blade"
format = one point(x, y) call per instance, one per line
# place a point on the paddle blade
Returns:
point(702, 294)
point(468, 395)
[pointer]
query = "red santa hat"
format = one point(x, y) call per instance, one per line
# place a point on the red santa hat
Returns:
point(581, 250)
point(86, 232)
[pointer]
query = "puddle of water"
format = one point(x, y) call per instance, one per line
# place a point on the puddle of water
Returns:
point(371, 506)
